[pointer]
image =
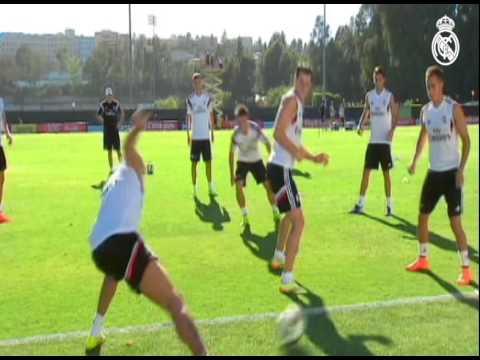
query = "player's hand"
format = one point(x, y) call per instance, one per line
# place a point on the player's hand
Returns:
point(140, 120)
point(322, 159)
point(459, 179)
point(412, 169)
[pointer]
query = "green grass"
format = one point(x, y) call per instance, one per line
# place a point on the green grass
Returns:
point(50, 285)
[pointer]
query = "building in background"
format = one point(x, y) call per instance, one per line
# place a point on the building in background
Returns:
point(50, 45)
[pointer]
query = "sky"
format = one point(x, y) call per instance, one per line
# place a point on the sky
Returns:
point(255, 20)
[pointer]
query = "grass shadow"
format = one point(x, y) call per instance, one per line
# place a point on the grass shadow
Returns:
point(472, 302)
point(212, 213)
point(99, 186)
point(322, 332)
point(410, 229)
point(262, 247)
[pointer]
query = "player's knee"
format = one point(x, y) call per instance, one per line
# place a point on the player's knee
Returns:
point(176, 306)
point(298, 219)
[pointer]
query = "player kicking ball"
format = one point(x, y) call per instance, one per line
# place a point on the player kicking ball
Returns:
point(382, 113)
point(287, 149)
point(120, 253)
point(443, 122)
point(245, 138)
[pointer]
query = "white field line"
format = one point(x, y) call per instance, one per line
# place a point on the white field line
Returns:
point(244, 318)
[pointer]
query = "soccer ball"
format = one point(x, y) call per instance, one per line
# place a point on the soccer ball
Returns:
point(291, 325)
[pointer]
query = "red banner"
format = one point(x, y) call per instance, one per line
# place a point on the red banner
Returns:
point(62, 127)
point(164, 125)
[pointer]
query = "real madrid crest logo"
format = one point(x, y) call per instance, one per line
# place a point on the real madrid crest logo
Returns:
point(445, 44)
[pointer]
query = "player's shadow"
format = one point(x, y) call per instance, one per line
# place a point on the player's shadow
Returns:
point(99, 186)
point(411, 230)
point(300, 173)
point(322, 332)
point(262, 247)
point(212, 213)
point(469, 301)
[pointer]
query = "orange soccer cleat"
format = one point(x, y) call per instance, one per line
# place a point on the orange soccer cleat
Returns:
point(422, 264)
point(4, 219)
point(466, 277)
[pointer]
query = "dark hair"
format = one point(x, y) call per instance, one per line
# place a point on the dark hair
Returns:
point(242, 110)
point(303, 70)
point(437, 71)
point(379, 70)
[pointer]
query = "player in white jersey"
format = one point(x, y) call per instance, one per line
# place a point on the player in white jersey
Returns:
point(288, 149)
point(3, 160)
point(200, 121)
point(382, 112)
point(443, 122)
point(120, 253)
point(245, 138)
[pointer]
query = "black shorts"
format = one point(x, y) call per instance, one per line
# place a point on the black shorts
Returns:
point(201, 147)
point(284, 187)
point(441, 183)
point(3, 159)
point(257, 169)
point(378, 154)
point(124, 256)
point(111, 139)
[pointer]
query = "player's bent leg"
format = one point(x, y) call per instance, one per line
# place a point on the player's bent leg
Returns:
point(96, 339)
point(156, 286)
point(422, 263)
point(110, 159)
point(278, 261)
point(3, 218)
point(242, 202)
point(466, 278)
point(271, 200)
point(387, 180)
point(360, 205)
point(208, 171)
point(293, 241)
point(194, 176)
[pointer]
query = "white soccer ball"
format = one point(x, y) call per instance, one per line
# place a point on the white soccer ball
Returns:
point(291, 325)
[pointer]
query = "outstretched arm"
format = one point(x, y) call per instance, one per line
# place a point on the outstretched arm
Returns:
point(462, 130)
point(422, 139)
point(364, 118)
point(132, 156)
point(231, 159)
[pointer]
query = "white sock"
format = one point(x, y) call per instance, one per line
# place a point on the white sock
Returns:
point(288, 278)
point(464, 258)
point(98, 325)
point(424, 249)
point(279, 256)
point(361, 201)
point(390, 202)
point(245, 211)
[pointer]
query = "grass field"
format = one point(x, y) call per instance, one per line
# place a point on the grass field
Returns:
point(50, 285)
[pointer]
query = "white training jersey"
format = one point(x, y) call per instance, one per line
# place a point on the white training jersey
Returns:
point(380, 116)
point(122, 206)
point(280, 155)
point(199, 107)
point(2, 119)
point(442, 135)
point(247, 144)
